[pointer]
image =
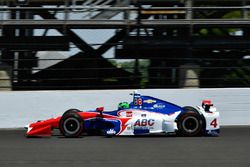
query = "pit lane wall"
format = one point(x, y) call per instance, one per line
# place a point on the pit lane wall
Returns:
point(20, 108)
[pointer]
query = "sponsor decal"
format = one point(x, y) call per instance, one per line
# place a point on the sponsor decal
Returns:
point(129, 113)
point(149, 101)
point(159, 106)
point(144, 122)
point(111, 132)
point(129, 128)
point(138, 101)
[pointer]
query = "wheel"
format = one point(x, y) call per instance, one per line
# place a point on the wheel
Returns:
point(71, 111)
point(190, 124)
point(71, 124)
point(189, 108)
point(192, 109)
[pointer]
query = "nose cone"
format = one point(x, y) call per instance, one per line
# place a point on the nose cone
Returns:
point(26, 126)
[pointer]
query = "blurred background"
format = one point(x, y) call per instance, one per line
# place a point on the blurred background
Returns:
point(121, 44)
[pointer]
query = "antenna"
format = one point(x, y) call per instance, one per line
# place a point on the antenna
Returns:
point(134, 92)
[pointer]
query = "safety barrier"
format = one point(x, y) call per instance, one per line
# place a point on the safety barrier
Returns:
point(20, 108)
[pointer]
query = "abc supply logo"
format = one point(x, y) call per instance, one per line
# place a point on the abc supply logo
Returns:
point(144, 122)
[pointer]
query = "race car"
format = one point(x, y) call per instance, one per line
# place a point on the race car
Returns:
point(145, 115)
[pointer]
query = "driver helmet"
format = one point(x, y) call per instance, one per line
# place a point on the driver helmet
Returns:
point(123, 105)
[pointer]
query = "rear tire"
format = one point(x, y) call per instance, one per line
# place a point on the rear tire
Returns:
point(71, 124)
point(189, 108)
point(190, 124)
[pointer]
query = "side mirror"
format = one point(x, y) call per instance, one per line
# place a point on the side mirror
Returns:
point(100, 110)
point(206, 104)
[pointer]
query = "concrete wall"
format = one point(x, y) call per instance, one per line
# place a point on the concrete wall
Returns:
point(20, 108)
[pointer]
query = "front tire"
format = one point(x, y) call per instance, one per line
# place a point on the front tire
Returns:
point(71, 124)
point(190, 124)
point(71, 111)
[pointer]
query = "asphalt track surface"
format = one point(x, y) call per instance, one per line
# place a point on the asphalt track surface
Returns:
point(231, 149)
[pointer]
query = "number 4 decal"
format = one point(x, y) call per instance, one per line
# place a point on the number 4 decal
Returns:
point(214, 123)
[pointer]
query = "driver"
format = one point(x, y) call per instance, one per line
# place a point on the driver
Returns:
point(123, 105)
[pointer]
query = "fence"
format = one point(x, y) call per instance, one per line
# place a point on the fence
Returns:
point(212, 61)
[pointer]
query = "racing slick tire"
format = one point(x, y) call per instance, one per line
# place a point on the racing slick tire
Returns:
point(71, 111)
point(190, 124)
point(189, 108)
point(71, 124)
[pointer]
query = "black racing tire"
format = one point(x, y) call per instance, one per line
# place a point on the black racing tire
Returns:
point(190, 124)
point(71, 124)
point(73, 110)
point(192, 109)
point(189, 108)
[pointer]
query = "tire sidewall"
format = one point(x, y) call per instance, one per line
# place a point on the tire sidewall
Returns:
point(183, 131)
point(71, 116)
point(69, 111)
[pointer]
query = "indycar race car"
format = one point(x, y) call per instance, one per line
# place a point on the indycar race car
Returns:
point(144, 115)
